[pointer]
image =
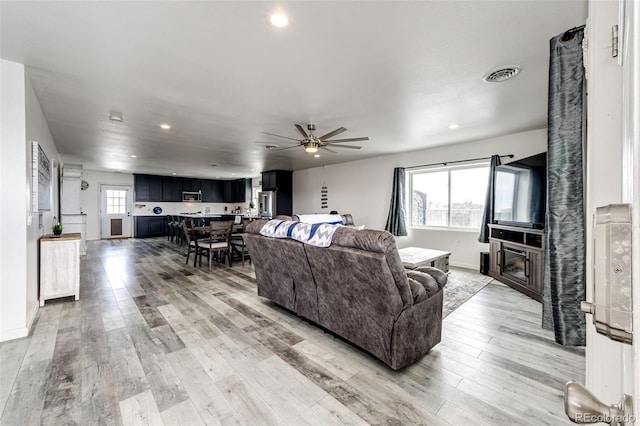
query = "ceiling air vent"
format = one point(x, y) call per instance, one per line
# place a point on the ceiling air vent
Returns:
point(502, 74)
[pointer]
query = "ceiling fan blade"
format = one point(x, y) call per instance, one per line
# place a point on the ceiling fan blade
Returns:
point(289, 147)
point(302, 132)
point(327, 149)
point(365, 138)
point(345, 146)
point(284, 137)
point(332, 134)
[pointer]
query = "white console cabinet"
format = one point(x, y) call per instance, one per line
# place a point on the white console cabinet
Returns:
point(59, 266)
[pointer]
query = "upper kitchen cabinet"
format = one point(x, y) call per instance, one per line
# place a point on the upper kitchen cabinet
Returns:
point(191, 185)
point(147, 187)
point(212, 191)
point(171, 189)
point(277, 179)
point(235, 191)
point(280, 181)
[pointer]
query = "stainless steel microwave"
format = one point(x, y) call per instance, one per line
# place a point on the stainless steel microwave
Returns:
point(191, 197)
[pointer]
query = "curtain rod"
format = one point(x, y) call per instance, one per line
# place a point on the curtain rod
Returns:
point(446, 163)
point(568, 35)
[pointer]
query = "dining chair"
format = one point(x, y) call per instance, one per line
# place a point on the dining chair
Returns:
point(218, 242)
point(237, 241)
point(190, 239)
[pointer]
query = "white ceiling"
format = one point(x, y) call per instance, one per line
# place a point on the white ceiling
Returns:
point(399, 72)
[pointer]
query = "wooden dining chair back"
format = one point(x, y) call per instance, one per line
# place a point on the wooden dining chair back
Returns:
point(190, 239)
point(237, 241)
point(218, 242)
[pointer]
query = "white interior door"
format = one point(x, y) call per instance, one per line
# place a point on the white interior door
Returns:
point(115, 211)
point(613, 154)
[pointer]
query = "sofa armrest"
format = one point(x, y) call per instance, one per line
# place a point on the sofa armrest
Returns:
point(440, 276)
point(418, 292)
point(427, 282)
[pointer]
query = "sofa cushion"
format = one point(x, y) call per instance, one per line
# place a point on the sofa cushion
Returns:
point(429, 283)
point(332, 219)
point(417, 291)
point(378, 242)
point(317, 234)
point(438, 275)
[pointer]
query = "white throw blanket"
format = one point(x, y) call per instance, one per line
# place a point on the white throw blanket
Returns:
point(315, 234)
point(333, 219)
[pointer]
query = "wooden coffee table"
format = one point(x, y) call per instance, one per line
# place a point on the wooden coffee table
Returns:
point(414, 257)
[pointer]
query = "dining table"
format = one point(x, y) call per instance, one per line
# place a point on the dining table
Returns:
point(237, 237)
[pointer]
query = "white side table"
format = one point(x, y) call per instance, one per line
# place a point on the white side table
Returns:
point(59, 266)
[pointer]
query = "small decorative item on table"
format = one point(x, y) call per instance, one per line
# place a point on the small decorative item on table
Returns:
point(157, 210)
point(57, 229)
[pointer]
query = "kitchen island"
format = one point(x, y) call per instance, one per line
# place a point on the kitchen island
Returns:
point(147, 226)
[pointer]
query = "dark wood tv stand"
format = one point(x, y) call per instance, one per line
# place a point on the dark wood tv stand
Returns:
point(517, 258)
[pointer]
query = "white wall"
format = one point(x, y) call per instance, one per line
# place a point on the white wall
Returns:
point(363, 188)
point(22, 121)
point(13, 217)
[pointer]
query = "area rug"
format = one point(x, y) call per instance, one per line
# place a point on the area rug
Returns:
point(462, 284)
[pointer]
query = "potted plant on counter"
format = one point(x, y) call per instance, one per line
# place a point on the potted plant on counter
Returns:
point(57, 228)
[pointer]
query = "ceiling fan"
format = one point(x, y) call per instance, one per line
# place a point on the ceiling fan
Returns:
point(312, 143)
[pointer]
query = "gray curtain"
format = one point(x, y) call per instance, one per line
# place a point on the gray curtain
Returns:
point(564, 257)
point(396, 221)
point(487, 214)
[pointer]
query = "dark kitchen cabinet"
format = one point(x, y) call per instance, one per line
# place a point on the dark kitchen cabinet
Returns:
point(212, 191)
point(269, 181)
point(147, 188)
point(229, 191)
point(235, 191)
point(171, 189)
point(191, 185)
point(281, 182)
point(150, 226)
point(244, 188)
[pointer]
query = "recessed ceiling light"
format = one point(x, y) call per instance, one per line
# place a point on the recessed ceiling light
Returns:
point(279, 20)
point(233, 174)
point(454, 126)
point(213, 165)
point(217, 177)
point(174, 173)
point(165, 126)
point(253, 170)
point(134, 156)
point(316, 155)
point(115, 116)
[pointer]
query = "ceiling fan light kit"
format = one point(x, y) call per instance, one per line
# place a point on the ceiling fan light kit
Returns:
point(312, 143)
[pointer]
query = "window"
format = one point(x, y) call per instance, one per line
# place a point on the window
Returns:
point(116, 202)
point(450, 197)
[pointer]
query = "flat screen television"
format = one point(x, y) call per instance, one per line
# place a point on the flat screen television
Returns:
point(520, 192)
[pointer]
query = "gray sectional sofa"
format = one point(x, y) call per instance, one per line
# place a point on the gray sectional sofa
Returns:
point(357, 288)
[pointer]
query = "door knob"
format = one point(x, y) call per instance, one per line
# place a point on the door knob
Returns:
point(581, 406)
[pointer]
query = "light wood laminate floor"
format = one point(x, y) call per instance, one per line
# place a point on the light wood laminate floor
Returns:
point(153, 341)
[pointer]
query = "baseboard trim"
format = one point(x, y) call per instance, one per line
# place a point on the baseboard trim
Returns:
point(465, 266)
point(20, 332)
